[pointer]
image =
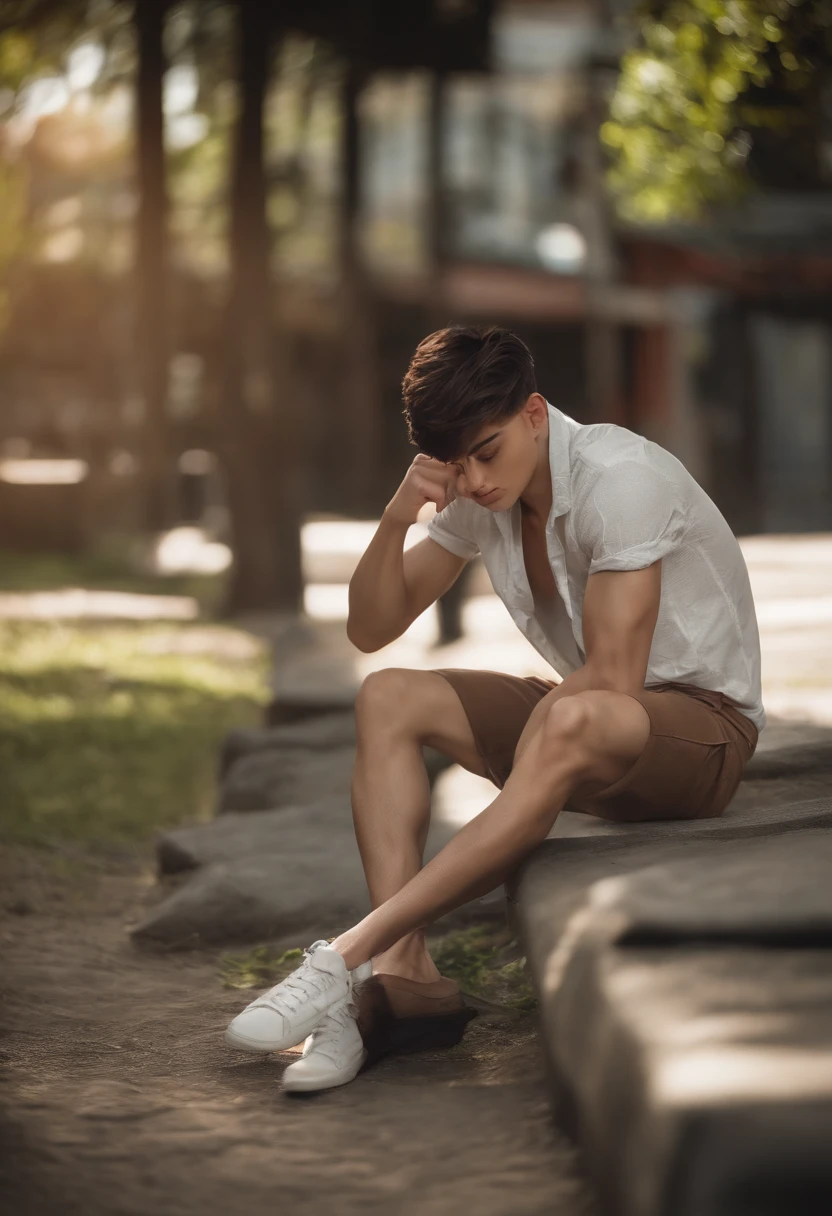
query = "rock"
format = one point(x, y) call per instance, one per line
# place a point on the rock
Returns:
point(789, 748)
point(770, 891)
point(780, 733)
point(228, 837)
point(289, 875)
point(315, 675)
point(770, 792)
point(300, 704)
point(787, 761)
point(696, 1079)
point(700, 1080)
point(292, 899)
point(263, 780)
point(550, 884)
point(758, 809)
point(286, 774)
point(315, 733)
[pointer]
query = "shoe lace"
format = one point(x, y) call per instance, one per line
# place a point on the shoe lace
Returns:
point(297, 987)
point(326, 1036)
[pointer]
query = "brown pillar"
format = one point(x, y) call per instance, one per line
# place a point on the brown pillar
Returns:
point(150, 269)
point(257, 423)
point(438, 241)
point(604, 372)
point(359, 406)
point(652, 381)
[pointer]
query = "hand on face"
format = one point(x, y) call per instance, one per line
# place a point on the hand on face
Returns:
point(427, 480)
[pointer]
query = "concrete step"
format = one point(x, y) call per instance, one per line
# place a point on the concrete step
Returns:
point(684, 972)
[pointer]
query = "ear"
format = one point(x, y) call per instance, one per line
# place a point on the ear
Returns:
point(536, 411)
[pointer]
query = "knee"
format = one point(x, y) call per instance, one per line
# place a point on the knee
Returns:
point(383, 698)
point(567, 730)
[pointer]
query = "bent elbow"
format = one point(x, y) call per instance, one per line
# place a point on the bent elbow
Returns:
point(358, 642)
point(363, 642)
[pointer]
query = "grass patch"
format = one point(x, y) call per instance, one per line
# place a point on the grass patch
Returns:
point(111, 567)
point(258, 968)
point(110, 732)
point(474, 957)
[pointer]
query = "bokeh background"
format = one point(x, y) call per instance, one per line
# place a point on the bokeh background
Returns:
point(224, 227)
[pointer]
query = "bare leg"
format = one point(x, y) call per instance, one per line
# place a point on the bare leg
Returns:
point(397, 711)
point(585, 743)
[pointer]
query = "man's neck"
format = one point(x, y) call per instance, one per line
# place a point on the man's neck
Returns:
point(536, 499)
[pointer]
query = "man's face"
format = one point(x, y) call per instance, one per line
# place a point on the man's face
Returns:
point(501, 459)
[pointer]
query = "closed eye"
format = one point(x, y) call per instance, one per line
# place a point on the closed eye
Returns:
point(481, 459)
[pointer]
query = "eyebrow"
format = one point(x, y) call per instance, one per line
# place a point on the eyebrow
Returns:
point(481, 444)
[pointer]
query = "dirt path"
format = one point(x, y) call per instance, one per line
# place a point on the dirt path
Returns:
point(119, 1096)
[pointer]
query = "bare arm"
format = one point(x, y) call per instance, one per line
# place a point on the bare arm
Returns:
point(620, 611)
point(619, 615)
point(392, 586)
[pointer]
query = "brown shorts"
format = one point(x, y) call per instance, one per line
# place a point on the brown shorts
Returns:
point(690, 767)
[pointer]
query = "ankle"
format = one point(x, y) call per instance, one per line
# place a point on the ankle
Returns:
point(408, 964)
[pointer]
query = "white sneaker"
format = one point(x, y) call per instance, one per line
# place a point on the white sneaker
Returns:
point(333, 1054)
point(290, 1010)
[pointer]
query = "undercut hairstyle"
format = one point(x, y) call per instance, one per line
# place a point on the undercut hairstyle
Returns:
point(460, 379)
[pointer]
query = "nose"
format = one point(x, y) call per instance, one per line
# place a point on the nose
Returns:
point(473, 485)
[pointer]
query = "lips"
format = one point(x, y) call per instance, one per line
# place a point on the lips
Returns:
point(486, 497)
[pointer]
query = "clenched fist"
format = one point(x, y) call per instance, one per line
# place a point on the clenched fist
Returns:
point(427, 480)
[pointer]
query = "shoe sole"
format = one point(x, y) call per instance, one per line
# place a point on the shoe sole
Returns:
point(303, 1085)
point(242, 1044)
point(233, 1039)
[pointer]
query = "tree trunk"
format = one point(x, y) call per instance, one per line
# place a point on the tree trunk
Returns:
point(604, 351)
point(438, 244)
point(257, 441)
point(152, 333)
point(359, 409)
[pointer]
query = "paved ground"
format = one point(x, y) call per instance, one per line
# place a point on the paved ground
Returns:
point(119, 1096)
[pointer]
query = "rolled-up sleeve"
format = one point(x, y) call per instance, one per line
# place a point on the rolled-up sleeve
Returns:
point(453, 529)
point(631, 517)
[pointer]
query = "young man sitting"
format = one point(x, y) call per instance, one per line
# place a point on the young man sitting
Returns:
point(621, 572)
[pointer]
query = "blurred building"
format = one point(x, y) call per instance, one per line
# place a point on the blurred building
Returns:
point(754, 302)
point(439, 169)
point(485, 197)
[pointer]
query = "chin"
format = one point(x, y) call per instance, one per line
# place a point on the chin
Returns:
point(505, 502)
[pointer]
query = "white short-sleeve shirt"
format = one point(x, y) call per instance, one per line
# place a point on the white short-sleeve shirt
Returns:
point(621, 502)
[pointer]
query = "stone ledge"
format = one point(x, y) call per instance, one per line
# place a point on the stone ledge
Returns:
point(790, 761)
point(693, 1070)
point(699, 1080)
point(551, 883)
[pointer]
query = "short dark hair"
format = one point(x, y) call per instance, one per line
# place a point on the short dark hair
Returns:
point(461, 378)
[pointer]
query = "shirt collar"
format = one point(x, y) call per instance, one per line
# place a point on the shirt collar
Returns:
point(561, 430)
